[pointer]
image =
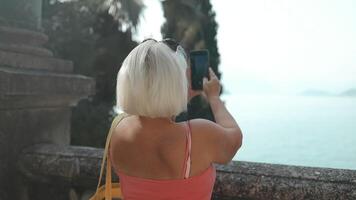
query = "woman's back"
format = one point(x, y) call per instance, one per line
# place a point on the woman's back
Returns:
point(158, 166)
point(155, 149)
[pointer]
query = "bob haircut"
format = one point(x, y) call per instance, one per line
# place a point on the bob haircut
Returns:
point(152, 81)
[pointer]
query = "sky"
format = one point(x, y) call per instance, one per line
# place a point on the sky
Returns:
point(278, 46)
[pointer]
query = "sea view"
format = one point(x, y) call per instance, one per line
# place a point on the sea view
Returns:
point(285, 47)
point(296, 130)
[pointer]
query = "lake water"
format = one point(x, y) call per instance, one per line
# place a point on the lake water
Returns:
point(296, 130)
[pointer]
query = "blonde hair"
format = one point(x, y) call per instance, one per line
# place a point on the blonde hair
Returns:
point(152, 81)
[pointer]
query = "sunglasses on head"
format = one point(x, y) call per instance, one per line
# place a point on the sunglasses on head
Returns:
point(172, 44)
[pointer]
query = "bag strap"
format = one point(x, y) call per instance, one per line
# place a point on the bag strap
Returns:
point(115, 122)
point(108, 186)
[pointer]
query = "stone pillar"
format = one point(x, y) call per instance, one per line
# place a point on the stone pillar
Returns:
point(21, 13)
point(36, 91)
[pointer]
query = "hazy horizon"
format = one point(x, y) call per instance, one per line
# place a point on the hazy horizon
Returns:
point(279, 47)
point(272, 51)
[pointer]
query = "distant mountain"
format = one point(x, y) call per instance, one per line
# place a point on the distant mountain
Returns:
point(312, 92)
point(349, 92)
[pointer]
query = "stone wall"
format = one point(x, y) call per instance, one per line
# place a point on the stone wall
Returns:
point(77, 168)
point(248, 180)
point(37, 91)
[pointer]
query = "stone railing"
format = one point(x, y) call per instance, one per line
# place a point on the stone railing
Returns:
point(247, 180)
point(75, 169)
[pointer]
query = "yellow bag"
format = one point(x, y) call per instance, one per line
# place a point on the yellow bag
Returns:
point(110, 190)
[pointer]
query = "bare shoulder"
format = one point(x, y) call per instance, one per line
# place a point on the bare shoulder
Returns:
point(206, 132)
point(218, 142)
point(204, 128)
point(125, 125)
point(120, 136)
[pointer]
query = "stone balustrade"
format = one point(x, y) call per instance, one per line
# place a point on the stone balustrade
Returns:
point(77, 168)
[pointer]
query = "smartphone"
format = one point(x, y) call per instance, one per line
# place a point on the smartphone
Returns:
point(199, 64)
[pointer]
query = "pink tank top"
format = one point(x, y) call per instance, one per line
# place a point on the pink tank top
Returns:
point(197, 187)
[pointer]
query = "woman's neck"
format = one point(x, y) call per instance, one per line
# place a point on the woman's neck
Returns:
point(169, 120)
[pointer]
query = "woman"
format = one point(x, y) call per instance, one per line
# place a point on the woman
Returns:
point(155, 157)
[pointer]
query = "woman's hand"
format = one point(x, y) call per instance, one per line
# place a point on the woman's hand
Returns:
point(211, 87)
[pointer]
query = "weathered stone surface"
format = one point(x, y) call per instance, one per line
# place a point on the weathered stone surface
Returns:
point(20, 128)
point(4, 166)
point(87, 194)
point(36, 51)
point(247, 180)
point(36, 95)
point(23, 41)
point(20, 48)
point(19, 36)
point(24, 127)
point(34, 63)
point(37, 83)
point(22, 89)
point(50, 125)
point(21, 13)
point(42, 191)
point(61, 163)
point(238, 180)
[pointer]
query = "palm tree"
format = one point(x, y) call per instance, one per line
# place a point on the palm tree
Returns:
point(127, 12)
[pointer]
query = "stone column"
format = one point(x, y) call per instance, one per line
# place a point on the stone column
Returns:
point(21, 13)
point(37, 91)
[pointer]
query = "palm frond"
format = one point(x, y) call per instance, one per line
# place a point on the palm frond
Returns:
point(127, 12)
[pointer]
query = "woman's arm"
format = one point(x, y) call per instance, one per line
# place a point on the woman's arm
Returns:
point(224, 137)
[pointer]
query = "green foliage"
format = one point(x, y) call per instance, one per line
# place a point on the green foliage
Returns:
point(210, 32)
point(193, 24)
point(83, 31)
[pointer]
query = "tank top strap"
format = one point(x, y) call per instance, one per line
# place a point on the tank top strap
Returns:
point(188, 148)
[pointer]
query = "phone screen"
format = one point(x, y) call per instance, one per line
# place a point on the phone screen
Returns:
point(199, 61)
